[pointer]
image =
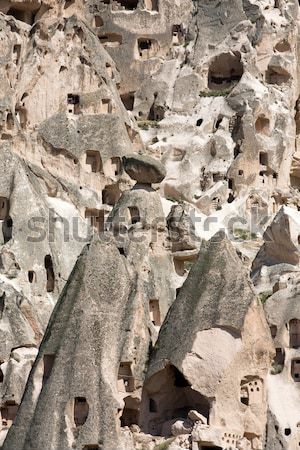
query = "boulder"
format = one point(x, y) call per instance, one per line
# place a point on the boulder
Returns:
point(144, 169)
point(281, 242)
point(195, 416)
point(181, 229)
point(181, 426)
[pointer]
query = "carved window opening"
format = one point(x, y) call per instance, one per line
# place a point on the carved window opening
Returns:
point(93, 159)
point(263, 158)
point(21, 116)
point(130, 415)
point(10, 122)
point(128, 100)
point(2, 305)
point(273, 77)
point(262, 125)
point(152, 406)
point(31, 276)
point(98, 22)
point(218, 122)
point(73, 103)
point(26, 16)
point(91, 447)
point(7, 227)
point(273, 330)
point(129, 4)
point(283, 46)
point(295, 370)
point(111, 194)
point(177, 35)
point(117, 165)
point(69, 3)
point(8, 413)
point(111, 40)
point(126, 382)
point(155, 312)
point(49, 273)
point(96, 218)
point(147, 48)
point(81, 411)
point(48, 361)
point(4, 208)
point(17, 53)
point(251, 390)
point(134, 215)
point(294, 327)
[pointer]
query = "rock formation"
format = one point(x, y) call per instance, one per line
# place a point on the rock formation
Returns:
point(79, 330)
point(205, 353)
point(149, 225)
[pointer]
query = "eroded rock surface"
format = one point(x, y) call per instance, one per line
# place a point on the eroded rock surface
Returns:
point(170, 128)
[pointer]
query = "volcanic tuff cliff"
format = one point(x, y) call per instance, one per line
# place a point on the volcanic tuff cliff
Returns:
point(150, 225)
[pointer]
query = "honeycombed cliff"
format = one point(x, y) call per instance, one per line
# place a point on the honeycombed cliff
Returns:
point(149, 225)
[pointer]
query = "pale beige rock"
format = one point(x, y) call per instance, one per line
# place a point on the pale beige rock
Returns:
point(209, 92)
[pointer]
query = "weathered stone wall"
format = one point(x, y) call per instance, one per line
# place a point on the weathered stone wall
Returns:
point(155, 123)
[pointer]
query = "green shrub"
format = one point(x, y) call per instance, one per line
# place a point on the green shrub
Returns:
point(221, 93)
point(164, 445)
point(180, 201)
point(244, 235)
point(171, 199)
point(146, 124)
point(263, 296)
point(276, 368)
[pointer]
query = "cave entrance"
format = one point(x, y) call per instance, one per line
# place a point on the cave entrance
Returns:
point(167, 396)
point(49, 273)
point(225, 71)
point(26, 16)
point(129, 4)
point(130, 415)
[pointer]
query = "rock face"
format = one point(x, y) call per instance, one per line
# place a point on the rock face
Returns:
point(281, 241)
point(79, 329)
point(162, 126)
point(282, 311)
point(181, 229)
point(203, 359)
